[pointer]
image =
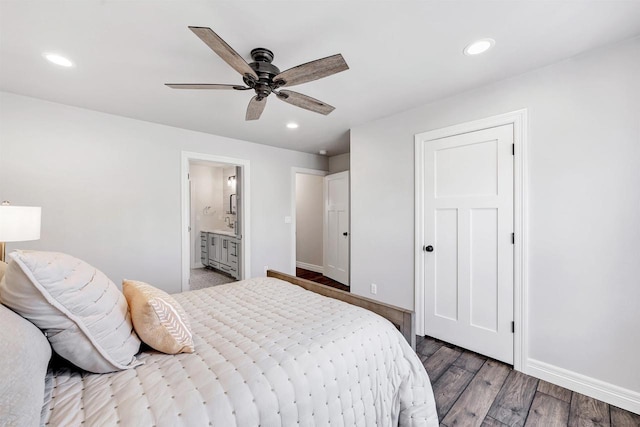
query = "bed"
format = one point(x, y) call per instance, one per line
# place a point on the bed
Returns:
point(268, 353)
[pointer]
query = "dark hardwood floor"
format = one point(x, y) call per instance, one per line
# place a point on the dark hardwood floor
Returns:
point(319, 278)
point(472, 390)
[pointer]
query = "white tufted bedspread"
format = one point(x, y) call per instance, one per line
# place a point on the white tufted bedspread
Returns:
point(268, 353)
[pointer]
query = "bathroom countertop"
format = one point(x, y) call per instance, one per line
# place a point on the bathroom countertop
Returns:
point(230, 233)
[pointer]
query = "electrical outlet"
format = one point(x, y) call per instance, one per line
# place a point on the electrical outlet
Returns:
point(266, 267)
point(374, 288)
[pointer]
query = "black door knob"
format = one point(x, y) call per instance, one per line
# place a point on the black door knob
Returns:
point(428, 248)
point(345, 234)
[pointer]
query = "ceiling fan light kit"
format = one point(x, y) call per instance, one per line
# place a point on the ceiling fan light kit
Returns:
point(265, 78)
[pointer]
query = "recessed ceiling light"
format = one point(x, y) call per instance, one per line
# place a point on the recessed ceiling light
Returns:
point(322, 152)
point(479, 46)
point(58, 59)
point(292, 125)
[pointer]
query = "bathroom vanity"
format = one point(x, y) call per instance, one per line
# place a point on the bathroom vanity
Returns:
point(220, 250)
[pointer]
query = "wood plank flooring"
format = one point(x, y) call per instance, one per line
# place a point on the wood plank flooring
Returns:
point(319, 278)
point(474, 391)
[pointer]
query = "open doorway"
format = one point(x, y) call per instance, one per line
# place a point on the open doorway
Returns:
point(215, 234)
point(308, 241)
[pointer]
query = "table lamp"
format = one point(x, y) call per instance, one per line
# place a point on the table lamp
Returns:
point(18, 224)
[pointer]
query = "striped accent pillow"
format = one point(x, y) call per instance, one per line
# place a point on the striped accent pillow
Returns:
point(159, 320)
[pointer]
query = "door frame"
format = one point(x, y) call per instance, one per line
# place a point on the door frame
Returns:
point(518, 119)
point(186, 157)
point(294, 171)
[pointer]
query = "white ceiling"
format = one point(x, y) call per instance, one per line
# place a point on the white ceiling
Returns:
point(401, 54)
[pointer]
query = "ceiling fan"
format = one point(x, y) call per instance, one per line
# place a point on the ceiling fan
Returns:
point(265, 78)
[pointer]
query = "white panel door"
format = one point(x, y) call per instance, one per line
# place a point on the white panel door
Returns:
point(468, 241)
point(336, 227)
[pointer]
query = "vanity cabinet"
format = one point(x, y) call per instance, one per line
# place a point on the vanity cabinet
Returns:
point(204, 249)
point(229, 255)
point(214, 250)
point(222, 252)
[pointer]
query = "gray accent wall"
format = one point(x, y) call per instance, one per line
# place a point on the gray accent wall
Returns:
point(339, 163)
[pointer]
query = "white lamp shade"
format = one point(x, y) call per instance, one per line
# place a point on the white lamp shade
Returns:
point(19, 223)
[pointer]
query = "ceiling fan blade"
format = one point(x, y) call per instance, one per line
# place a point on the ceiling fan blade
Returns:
point(313, 70)
point(255, 108)
point(204, 86)
point(223, 50)
point(304, 101)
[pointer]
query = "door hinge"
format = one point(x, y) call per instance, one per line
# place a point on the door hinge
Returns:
point(513, 238)
point(513, 327)
point(513, 149)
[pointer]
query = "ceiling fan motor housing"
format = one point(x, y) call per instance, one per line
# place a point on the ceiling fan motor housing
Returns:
point(265, 70)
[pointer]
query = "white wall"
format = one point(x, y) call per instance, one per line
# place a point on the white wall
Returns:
point(309, 214)
point(206, 191)
point(583, 206)
point(109, 187)
point(339, 163)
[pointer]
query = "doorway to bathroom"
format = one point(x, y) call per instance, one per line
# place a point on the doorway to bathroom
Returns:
point(215, 237)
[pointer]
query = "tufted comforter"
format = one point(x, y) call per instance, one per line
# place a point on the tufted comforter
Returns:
point(267, 353)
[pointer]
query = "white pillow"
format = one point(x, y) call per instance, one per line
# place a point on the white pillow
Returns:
point(23, 367)
point(83, 314)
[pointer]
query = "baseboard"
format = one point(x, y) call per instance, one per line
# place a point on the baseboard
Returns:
point(311, 267)
point(609, 393)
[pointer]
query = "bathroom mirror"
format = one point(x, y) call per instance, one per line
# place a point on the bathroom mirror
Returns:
point(232, 204)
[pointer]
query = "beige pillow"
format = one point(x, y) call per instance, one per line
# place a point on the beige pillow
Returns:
point(83, 314)
point(3, 268)
point(159, 320)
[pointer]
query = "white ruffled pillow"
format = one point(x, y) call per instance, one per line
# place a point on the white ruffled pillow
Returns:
point(83, 314)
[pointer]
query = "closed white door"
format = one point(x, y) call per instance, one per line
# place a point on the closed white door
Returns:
point(336, 227)
point(468, 226)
